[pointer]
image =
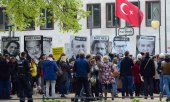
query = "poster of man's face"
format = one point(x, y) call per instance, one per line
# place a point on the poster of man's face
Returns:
point(47, 43)
point(78, 44)
point(11, 46)
point(145, 44)
point(120, 45)
point(99, 45)
point(33, 45)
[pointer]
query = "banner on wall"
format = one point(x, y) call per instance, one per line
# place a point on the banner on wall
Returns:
point(33, 45)
point(47, 45)
point(11, 46)
point(67, 50)
point(99, 45)
point(57, 51)
point(120, 45)
point(145, 44)
point(78, 43)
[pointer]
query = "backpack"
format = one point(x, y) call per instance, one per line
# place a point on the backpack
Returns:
point(20, 68)
point(33, 69)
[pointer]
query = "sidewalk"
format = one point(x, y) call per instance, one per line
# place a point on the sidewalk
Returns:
point(68, 99)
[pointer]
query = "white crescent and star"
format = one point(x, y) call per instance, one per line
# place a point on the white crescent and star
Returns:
point(121, 8)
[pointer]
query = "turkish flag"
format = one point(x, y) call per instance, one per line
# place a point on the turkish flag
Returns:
point(129, 12)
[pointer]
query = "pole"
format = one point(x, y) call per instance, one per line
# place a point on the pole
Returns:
point(165, 30)
point(159, 39)
point(139, 18)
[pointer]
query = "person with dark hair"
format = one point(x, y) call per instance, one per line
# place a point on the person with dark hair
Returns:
point(12, 48)
point(100, 47)
point(24, 78)
point(126, 74)
point(5, 77)
point(147, 71)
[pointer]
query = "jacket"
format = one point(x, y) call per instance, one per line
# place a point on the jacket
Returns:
point(81, 67)
point(149, 71)
point(126, 67)
point(49, 70)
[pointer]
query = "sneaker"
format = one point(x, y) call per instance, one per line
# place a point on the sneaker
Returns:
point(168, 99)
point(145, 97)
point(152, 97)
point(63, 96)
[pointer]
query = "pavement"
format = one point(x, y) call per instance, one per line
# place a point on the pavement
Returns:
point(38, 98)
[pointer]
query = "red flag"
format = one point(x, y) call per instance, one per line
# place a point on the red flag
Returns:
point(129, 12)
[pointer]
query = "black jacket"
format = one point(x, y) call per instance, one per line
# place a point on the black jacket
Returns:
point(149, 70)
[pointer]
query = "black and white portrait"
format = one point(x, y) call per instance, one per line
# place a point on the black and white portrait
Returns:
point(11, 46)
point(78, 44)
point(145, 44)
point(99, 45)
point(33, 45)
point(47, 44)
point(120, 45)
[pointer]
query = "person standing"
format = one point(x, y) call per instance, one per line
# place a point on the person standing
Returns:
point(147, 71)
point(81, 69)
point(166, 75)
point(24, 78)
point(49, 72)
point(126, 74)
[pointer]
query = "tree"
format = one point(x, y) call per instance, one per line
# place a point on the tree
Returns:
point(66, 13)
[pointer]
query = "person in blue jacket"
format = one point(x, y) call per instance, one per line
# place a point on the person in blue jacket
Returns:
point(49, 70)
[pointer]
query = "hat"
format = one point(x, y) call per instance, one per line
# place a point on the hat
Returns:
point(63, 58)
point(161, 55)
point(139, 56)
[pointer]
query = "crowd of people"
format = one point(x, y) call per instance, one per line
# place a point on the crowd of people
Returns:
point(89, 75)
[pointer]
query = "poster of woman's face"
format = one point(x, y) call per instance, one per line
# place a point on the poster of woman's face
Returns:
point(11, 46)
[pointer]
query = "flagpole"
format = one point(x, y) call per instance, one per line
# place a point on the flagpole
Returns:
point(115, 19)
point(139, 18)
point(165, 30)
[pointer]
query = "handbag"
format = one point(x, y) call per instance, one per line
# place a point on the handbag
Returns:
point(147, 63)
point(59, 71)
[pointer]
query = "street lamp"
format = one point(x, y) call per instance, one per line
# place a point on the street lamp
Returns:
point(155, 24)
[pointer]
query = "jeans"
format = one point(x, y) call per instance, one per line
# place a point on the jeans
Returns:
point(166, 80)
point(52, 82)
point(127, 84)
point(63, 88)
point(161, 83)
point(24, 88)
point(148, 81)
point(4, 89)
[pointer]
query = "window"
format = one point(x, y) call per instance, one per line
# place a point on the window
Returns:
point(31, 25)
point(136, 4)
point(111, 20)
point(95, 20)
point(152, 11)
point(3, 20)
point(48, 24)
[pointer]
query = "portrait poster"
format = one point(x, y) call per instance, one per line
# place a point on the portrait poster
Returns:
point(78, 43)
point(99, 45)
point(57, 51)
point(33, 45)
point(145, 44)
point(10, 46)
point(120, 45)
point(67, 50)
point(47, 45)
